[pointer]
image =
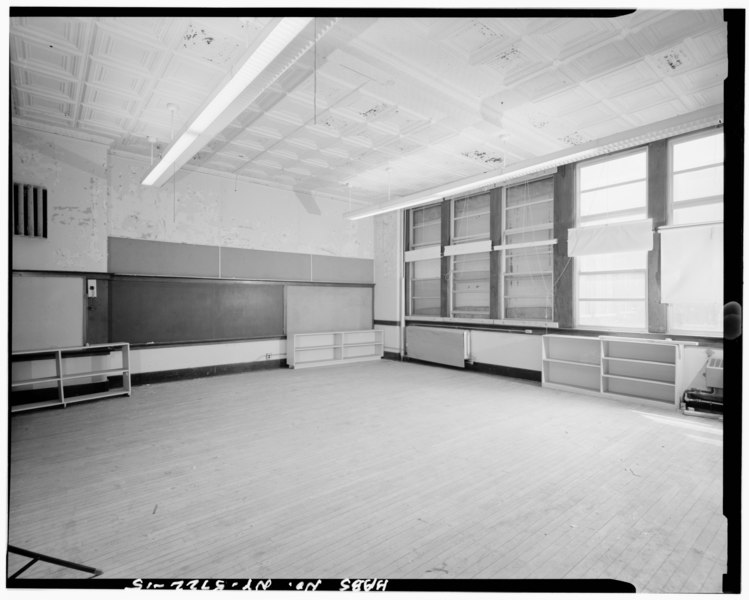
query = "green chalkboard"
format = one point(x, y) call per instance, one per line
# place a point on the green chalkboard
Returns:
point(161, 310)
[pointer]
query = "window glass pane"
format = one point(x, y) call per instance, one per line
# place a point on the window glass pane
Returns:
point(698, 184)
point(470, 285)
point(698, 214)
point(629, 314)
point(612, 285)
point(614, 199)
point(428, 235)
point(425, 287)
point(628, 167)
point(528, 297)
point(703, 318)
point(543, 189)
point(528, 260)
point(612, 262)
point(426, 226)
point(528, 283)
point(527, 216)
point(703, 150)
point(471, 218)
point(537, 235)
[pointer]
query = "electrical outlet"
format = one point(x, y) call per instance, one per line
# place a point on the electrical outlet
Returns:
point(267, 357)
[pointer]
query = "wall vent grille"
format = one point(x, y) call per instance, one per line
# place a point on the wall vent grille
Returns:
point(29, 207)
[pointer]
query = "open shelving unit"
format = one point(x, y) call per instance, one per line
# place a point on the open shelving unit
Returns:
point(572, 363)
point(614, 366)
point(334, 347)
point(57, 362)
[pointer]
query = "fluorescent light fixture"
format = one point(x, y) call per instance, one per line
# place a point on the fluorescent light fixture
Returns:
point(630, 139)
point(194, 137)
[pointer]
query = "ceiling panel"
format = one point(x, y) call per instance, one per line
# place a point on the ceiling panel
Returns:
point(380, 103)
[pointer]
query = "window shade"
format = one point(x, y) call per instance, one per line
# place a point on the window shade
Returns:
point(630, 236)
point(692, 264)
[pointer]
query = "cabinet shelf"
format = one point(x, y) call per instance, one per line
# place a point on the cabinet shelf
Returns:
point(641, 380)
point(342, 347)
point(57, 360)
point(321, 347)
point(614, 366)
point(638, 361)
point(573, 362)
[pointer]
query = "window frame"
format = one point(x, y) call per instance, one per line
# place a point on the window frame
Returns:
point(582, 221)
point(696, 202)
point(504, 248)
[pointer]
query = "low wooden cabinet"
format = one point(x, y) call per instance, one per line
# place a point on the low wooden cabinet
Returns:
point(614, 366)
point(59, 368)
point(334, 347)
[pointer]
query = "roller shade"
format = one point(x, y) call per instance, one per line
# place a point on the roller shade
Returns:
point(631, 236)
point(692, 264)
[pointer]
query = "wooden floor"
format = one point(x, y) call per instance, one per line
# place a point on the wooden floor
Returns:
point(382, 469)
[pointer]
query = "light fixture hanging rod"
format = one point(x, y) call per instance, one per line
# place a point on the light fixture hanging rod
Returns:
point(235, 95)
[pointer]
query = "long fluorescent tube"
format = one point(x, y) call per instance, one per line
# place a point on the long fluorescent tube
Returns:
point(635, 137)
point(269, 49)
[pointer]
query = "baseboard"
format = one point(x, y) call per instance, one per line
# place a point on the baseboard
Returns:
point(505, 371)
point(209, 371)
point(391, 355)
point(514, 372)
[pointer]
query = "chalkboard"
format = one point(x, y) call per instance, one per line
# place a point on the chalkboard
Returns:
point(179, 310)
point(311, 308)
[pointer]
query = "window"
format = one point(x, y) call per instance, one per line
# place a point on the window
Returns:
point(425, 287)
point(696, 306)
point(470, 271)
point(527, 261)
point(424, 273)
point(612, 288)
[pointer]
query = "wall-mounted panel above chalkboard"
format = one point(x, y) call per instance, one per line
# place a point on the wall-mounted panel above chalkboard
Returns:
point(160, 310)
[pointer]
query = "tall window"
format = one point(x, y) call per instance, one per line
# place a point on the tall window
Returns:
point(694, 246)
point(470, 271)
point(612, 288)
point(527, 260)
point(424, 273)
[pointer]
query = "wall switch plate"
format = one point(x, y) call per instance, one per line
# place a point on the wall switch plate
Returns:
point(91, 288)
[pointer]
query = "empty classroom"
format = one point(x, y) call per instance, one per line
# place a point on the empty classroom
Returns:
point(432, 299)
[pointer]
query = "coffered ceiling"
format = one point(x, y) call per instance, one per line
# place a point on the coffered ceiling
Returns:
point(379, 106)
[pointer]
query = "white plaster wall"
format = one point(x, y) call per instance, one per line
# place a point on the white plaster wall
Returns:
point(75, 175)
point(391, 337)
point(387, 266)
point(199, 208)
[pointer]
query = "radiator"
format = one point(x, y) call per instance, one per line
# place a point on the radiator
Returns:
point(437, 345)
point(714, 373)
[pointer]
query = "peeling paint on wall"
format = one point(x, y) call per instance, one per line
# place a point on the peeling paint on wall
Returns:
point(74, 173)
point(211, 210)
point(94, 195)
